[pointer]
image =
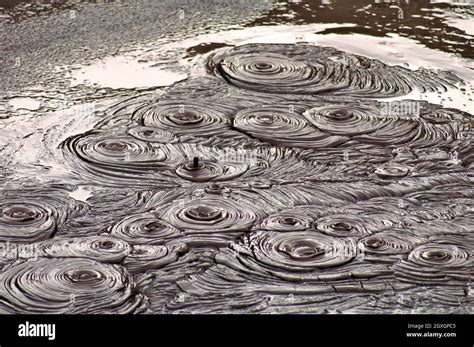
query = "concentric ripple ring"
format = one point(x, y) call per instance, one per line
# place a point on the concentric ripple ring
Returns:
point(68, 285)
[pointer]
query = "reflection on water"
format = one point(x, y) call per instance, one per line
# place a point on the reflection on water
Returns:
point(15, 11)
point(425, 21)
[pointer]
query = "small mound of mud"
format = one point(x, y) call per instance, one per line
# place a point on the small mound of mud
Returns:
point(303, 69)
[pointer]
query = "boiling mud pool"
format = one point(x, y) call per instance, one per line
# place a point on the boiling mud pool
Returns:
point(317, 158)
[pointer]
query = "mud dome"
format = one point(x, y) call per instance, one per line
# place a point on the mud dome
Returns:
point(282, 180)
point(300, 69)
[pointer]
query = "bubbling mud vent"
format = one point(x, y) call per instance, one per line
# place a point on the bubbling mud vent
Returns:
point(276, 178)
point(301, 69)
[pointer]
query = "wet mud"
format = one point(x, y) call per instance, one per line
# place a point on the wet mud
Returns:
point(275, 178)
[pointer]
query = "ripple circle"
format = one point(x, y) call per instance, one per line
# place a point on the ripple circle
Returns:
point(70, 285)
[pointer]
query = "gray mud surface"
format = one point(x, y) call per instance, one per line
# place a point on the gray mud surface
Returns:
point(236, 157)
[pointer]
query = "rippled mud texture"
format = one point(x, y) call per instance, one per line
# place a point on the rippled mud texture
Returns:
point(280, 179)
point(68, 285)
point(33, 214)
point(302, 69)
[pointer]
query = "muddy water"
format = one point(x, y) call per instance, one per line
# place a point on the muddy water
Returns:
point(315, 159)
